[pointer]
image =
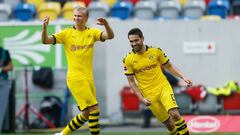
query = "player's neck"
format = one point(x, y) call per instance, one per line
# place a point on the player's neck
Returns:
point(80, 27)
point(142, 50)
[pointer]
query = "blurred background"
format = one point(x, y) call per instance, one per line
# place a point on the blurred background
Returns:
point(201, 37)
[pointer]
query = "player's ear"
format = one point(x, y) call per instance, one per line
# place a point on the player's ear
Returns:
point(142, 38)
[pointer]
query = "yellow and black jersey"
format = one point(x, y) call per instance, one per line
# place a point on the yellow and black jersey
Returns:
point(79, 48)
point(147, 69)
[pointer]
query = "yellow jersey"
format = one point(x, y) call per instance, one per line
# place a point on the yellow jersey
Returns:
point(79, 49)
point(147, 70)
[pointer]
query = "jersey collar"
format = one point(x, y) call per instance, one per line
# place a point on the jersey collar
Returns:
point(146, 49)
point(76, 29)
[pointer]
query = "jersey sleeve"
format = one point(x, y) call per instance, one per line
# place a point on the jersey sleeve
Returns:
point(127, 66)
point(97, 34)
point(162, 56)
point(60, 36)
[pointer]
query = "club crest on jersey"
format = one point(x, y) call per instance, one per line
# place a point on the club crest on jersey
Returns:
point(150, 57)
point(89, 36)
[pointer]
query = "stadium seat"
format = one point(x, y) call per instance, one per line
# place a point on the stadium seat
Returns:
point(145, 10)
point(209, 105)
point(211, 17)
point(122, 10)
point(218, 7)
point(156, 1)
point(12, 3)
point(51, 9)
point(87, 2)
point(236, 7)
point(184, 102)
point(130, 103)
point(24, 12)
point(37, 3)
point(109, 2)
point(69, 7)
point(233, 17)
point(169, 9)
point(231, 103)
point(62, 2)
point(183, 2)
point(133, 1)
point(5, 12)
point(207, 1)
point(98, 9)
point(194, 9)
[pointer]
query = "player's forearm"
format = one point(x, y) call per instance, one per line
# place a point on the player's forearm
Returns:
point(44, 35)
point(45, 38)
point(8, 67)
point(136, 90)
point(109, 31)
point(176, 72)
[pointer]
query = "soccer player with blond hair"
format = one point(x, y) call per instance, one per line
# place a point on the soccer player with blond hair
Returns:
point(78, 44)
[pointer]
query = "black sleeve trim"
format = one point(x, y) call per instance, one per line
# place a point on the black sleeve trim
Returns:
point(129, 74)
point(101, 37)
point(166, 62)
point(54, 40)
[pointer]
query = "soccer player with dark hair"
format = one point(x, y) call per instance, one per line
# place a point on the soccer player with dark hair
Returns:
point(142, 68)
point(78, 45)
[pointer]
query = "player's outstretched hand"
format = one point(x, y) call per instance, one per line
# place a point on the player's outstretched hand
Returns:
point(188, 81)
point(146, 101)
point(45, 21)
point(102, 21)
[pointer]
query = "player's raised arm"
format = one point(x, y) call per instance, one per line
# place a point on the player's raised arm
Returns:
point(108, 33)
point(45, 38)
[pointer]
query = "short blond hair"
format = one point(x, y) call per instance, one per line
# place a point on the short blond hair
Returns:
point(80, 8)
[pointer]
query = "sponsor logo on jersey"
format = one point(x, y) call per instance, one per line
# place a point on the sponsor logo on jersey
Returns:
point(146, 68)
point(80, 47)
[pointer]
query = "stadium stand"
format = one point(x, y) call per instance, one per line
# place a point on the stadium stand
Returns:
point(5, 12)
point(68, 8)
point(169, 9)
point(122, 10)
point(98, 9)
point(145, 10)
point(24, 11)
point(194, 9)
point(52, 9)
